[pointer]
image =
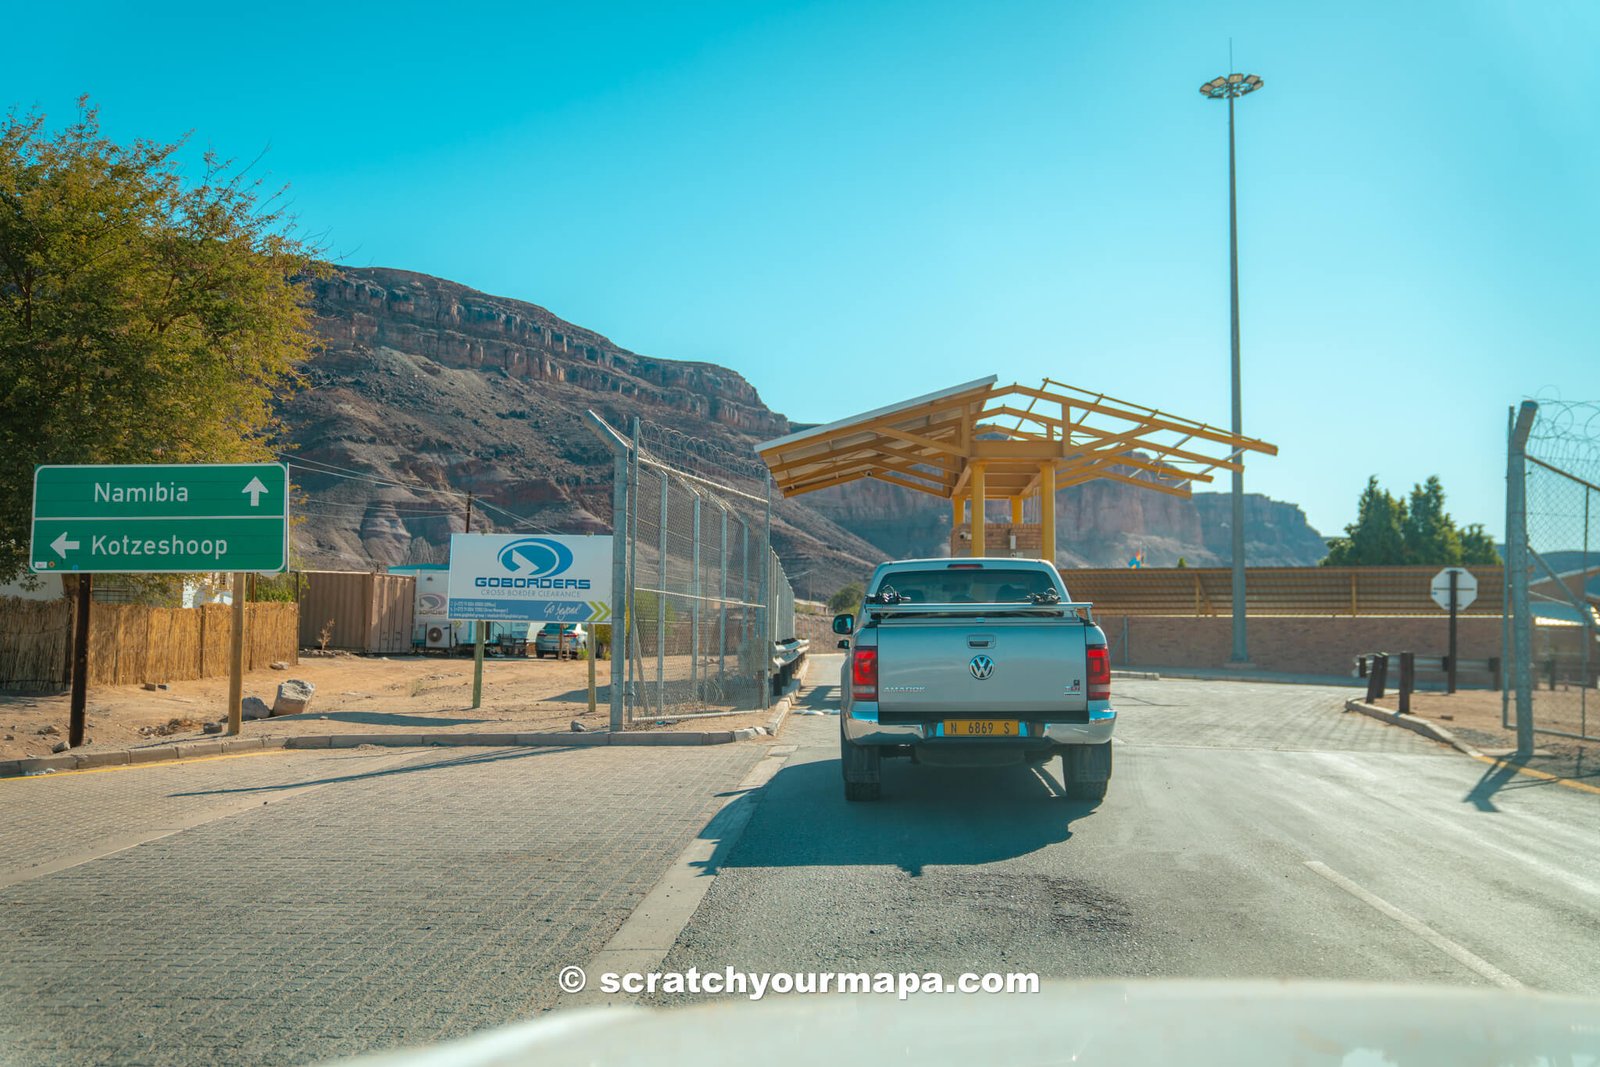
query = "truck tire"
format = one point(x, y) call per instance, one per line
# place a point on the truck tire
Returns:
point(861, 766)
point(1086, 770)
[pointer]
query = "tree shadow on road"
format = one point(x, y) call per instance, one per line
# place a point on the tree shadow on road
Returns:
point(928, 816)
point(427, 764)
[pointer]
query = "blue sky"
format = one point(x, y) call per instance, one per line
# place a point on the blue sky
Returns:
point(851, 203)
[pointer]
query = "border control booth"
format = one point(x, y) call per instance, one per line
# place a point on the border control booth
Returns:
point(1000, 454)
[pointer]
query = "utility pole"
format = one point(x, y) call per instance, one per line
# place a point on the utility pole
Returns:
point(468, 527)
point(1229, 87)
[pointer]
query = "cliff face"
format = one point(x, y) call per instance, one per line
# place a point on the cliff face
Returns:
point(1102, 524)
point(426, 382)
point(1276, 533)
point(1099, 524)
point(463, 329)
point(897, 522)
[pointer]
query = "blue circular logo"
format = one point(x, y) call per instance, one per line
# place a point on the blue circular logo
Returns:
point(535, 557)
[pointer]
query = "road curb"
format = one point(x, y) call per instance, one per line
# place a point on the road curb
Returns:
point(234, 746)
point(1142, 676)
point(1431, 730)
point(122, 757)
point(1439, 733)
point(786, 702)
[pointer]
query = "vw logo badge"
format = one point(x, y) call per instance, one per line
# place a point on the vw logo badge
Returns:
point(981, 667)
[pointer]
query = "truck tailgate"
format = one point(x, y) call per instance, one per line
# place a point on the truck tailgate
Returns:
point(1001, 667)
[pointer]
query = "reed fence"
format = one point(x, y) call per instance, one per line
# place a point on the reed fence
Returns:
point(130, 644)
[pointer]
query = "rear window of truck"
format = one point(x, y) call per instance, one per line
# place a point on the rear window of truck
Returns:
point(962, 586)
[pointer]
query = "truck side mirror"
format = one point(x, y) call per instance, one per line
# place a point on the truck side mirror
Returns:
point(844, 642)
point(844, 624)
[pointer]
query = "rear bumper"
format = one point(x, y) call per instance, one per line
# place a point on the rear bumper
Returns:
point(862, 727)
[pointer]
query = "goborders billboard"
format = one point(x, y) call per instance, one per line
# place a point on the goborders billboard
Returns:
point(522, 578)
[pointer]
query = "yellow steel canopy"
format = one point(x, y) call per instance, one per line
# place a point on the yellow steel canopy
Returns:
point(982, 441)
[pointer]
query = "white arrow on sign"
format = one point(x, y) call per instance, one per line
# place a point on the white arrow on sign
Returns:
point(1466, 588)
point(255, 489)
point(62, 545)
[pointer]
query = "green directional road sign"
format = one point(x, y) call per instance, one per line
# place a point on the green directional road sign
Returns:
point(161, 518)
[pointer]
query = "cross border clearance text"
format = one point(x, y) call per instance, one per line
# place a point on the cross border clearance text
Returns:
point(106, 545)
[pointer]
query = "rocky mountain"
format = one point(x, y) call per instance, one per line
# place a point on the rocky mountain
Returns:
point(1276, 533)
point(426, 383)
point(427, 390)
point(1099, 524)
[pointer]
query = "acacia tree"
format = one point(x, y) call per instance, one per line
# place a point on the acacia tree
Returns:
point(143, 319)
point(847, 598)
point(1389, 531)
point(1478, 547)
point(1430, 534)
point(1376, 537)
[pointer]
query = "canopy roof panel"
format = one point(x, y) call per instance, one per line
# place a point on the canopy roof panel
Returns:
point(933, 442)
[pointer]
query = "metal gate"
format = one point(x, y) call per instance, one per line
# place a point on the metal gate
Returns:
point(1553, 572)
point(702, 601)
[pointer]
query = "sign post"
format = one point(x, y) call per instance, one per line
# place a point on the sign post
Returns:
point(1453, 588)
point(591, 652)
point(153, 518)
point(477, 662)
point(80, 663)
point(236, 659)
point(518, 578)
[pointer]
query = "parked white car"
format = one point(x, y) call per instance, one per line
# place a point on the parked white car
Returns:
point(555, 638)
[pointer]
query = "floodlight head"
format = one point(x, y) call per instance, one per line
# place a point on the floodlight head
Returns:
point(1230, 85)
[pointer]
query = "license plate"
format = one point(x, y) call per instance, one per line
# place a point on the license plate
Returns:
point(981, 728)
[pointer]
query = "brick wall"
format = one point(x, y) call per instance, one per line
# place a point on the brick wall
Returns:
point(1295, 644)
point(997, 540)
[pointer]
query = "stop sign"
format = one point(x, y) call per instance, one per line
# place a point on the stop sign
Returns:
point(1466, 587)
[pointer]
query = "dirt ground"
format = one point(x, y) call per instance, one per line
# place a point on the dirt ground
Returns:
point(354, 694)
point(1473, 715)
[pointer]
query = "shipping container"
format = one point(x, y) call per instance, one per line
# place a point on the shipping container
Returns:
point(430, 622)
point(431, 625)
point(361, 611)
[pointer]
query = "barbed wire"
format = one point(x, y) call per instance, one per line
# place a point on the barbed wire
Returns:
point(703, 456)
point(1566, 434)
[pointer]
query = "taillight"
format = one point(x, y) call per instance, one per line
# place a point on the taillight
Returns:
point(864, 674)
point(1099, 672)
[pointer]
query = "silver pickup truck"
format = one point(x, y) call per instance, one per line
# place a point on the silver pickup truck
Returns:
point(974, 662)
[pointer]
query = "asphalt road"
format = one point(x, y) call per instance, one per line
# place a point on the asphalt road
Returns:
point(1250, 830)
point(290, 907)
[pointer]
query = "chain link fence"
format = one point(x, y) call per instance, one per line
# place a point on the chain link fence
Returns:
point(704, 615)
point(1553, 566)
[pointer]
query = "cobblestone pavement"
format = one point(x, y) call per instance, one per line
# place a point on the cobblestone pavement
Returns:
point(313, 905)
point(47, 822)
point(1177, 713)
